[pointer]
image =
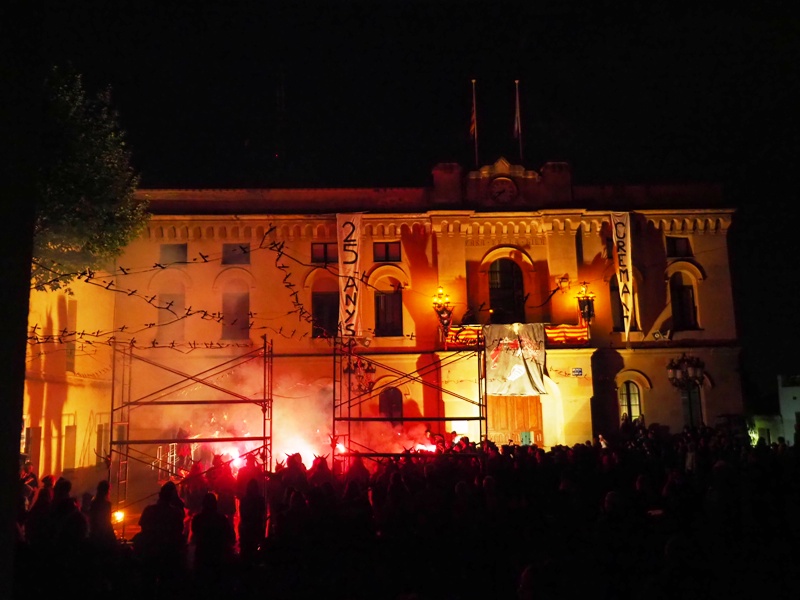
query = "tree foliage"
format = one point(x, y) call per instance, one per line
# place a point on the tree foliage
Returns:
point(86, 212)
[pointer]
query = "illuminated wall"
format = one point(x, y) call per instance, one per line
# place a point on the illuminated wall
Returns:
point(218, 269)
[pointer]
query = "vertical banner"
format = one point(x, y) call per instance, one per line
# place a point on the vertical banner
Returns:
point(349, 228)
point(515, 358)
point(620, 224)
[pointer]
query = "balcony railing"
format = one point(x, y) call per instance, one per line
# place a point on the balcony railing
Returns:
point(468, 336)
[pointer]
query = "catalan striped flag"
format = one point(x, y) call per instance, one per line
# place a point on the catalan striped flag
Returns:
point(566, 334)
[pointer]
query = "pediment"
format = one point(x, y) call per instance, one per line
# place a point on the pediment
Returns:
point(502, 167)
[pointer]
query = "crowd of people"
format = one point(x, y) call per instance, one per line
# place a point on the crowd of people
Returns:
point(646, 514)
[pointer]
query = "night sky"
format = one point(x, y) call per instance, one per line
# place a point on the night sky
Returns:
point(340, 93)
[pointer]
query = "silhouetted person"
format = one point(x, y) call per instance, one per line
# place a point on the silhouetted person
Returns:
point(105, 551)
point(357, 471)
point(38, 532)
point(358, 524)
point(294, 528)
point(250, 470)
point(396, 512)
point(161, 544)
point(30, 481)
point(320, 473)
point(252, 521)
point(295, 475)
point(214, 541)
point(101, 527)
point(194, 488)
point(70, 528)
point(225, 489)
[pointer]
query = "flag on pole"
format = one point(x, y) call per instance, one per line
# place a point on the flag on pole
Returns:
point(473, 124)
point(518, 120)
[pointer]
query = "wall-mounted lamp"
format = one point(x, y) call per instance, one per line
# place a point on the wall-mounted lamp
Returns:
point(563, 284)
point(586, 303)
point(686, 372)
point(441, 305)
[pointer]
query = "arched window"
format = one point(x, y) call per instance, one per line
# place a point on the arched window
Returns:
point(506, 292)
point(682, 299)
point(390, 404)
point(630, 401)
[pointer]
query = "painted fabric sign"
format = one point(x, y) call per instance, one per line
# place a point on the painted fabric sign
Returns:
point(620, 224)
point(349, 227)
point(515, 359)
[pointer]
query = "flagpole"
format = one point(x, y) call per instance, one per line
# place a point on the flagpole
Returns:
point(473, 125)
point(518, 121)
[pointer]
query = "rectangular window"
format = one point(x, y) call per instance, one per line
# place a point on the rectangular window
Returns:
point(171, 321)
point(386, 251)
point(236, 316)
point(325, 314)
point(324, 253)
point(172, 253)
point(678, 247)
point(388, 314)
point(236, 254)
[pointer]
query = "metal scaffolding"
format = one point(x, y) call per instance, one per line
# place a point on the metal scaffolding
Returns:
point(354, 371)
point(134, 371)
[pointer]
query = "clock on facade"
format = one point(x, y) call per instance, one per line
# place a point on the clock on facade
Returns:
point(503, 189)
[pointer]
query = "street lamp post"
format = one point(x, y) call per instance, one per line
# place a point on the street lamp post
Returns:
point(687, 373)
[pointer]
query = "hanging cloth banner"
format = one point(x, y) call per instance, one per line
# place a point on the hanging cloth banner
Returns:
point(620, 224)
point(349, 229)
point(515, 359)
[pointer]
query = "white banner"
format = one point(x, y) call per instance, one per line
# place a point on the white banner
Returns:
point(349, 230)
point(515, 357)
point(620, 224)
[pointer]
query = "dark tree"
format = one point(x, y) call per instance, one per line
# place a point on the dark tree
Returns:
point(86, 210)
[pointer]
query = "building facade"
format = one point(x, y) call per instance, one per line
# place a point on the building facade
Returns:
point(626, 289)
